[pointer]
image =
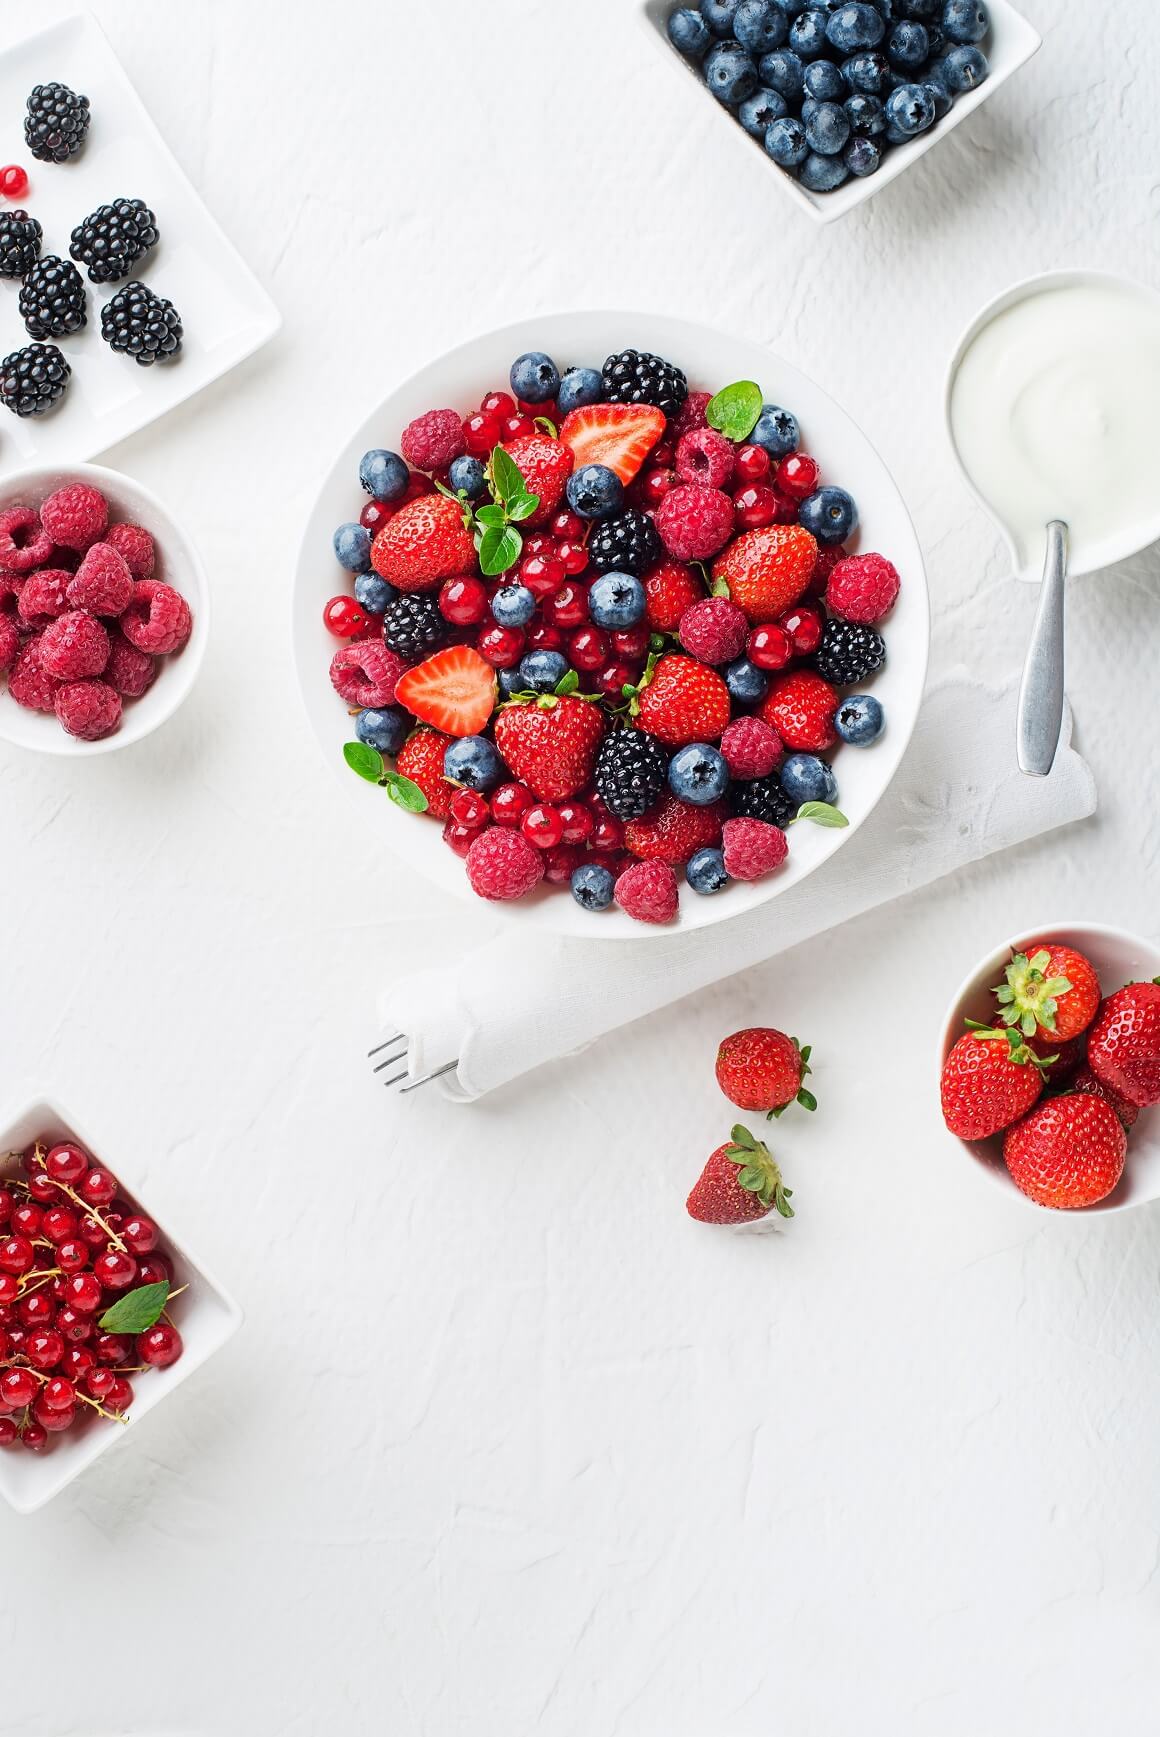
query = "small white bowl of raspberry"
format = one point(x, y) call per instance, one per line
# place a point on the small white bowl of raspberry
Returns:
point(110, 593)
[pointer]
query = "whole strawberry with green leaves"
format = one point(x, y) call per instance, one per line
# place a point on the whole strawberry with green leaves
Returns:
point(741, 1182)
point(989, 1080)
point(763, 1069)
point(550, 743)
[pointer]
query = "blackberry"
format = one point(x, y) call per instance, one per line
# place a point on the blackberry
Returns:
point(56, 123)
point(138, 323)
point(413, 626)
point(631, 773)
point(113, 238)
point(626, 544)
point(762, 799)
point(32, 379)
point(52, 298)
point(19, 243)
point(849, 653)
point(636, 377)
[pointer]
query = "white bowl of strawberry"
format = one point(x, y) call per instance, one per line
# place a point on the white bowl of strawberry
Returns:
point(599, 617)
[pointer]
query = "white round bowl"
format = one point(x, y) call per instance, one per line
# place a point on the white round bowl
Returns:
point(178, 564)
point(1119, 957)
point(711, 360)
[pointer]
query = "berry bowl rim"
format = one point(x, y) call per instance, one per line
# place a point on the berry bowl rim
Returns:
point(39, 732)
point(1140, 1183)
point(707, 350)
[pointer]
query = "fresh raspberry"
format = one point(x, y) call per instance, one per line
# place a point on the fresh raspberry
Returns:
point(863, 588)
point(24, 543)
point(136, 548)
point(689, 417)
point(801, 707)
point(157, 618)
point(73, 647)
point(704, 456)
point(669, 589)
point(502, 864)
point(28, 684)
point(102, 583)
point(751, 749)
point(130, 671)
point(11, 585)
point(89, 710)
point(44, 596)
point(714, 630)
point(674, 831)
point(648, 892)
point(752, 848)
point(9, 642)
point(75, 516)
point(432, 441)
point(421, 760)
point(694, 522)
point(364, 674)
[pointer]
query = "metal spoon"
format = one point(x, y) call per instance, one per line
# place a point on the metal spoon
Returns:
point(1041, 693)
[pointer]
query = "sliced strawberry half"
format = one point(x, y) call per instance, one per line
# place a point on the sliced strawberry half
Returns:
point(454, 691)
point(619, 436)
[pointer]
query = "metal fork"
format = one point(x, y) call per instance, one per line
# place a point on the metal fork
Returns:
point(378, 1065)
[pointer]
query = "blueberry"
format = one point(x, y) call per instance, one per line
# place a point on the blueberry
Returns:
point(807, 34)
point(581, 386)
point(827, 131)
point(616, 600)
point(791, 8)
point(595, 492)
point(383, 475)
point(860, 720)
point(786, 143)
point(965, 20)
point(698, 774)
point(373, 593)
point(936, 38)
point(467, 474)
point(910, 109)
point(776, 430)
point(535, 378)
point(824, 81)
point(689, 33)
point(746, 683)
point(908, 48)
point(385, 730)
point(822, 174)
point(939, 95)
point(705, 871)
point(868, 73)
point(810, 107)
point(592, 886)
point(855, 27)
point(513, 606)
point(964, 68)
point(829, 514)
point(923, 10)
point(865, 115)
point(805, 778)
point(730, 74)
point(895, 135)
point(352, 545)
point(474, 761)
point(543, 671)
point(758, 112)
point(718, 15)
point(511, 682)
point(782, 71)
point(760, 26)
point(862, 157)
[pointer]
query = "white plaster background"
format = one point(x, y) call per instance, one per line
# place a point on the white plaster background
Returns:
point(508, 1444)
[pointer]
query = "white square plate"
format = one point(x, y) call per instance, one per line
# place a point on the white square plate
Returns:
point(225, 311)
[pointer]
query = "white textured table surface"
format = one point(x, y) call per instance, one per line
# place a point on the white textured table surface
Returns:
point(508, 1444)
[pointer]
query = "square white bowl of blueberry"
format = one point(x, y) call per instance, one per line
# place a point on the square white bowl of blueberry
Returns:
point(840, 96)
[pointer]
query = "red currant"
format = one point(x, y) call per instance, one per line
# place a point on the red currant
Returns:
point(60, 1224)
point(463, 602)
point(418, 485)
point(573, 557)
point(509, 804)
point(55, 1422)
point(153, 1270)
point(7, 1204)
point(58, 1394)
point(112, 1348)
point(561, 861)
point(77, 1362)
point(499, 404)
point(577, 820)
point(120, 1395)
point(615, 677)
point(17, 1255)
point(503, 647)
point(567, 527)
point(9, 1288)
point(664, 455)
point(44, 1349)
point(28, 1219)
point(569, 607)
point(34, 1437)
point(100, 1382)
point(73, 1255)
point(72, 1326)
point(139, 1234)
point(67, 1163)
point(83, 1292)
point(752, 464)
point(769, 647)
point(13, 181)
point(344, 618)
point(655, 485)
point(375, 515)
point(160, 1346)
point(547, 410)
point(804, 626)
point(481, 433)
point(608, 834)
point(469, 808)
point(38, 1310)
point(543, 574)
point(632, 643)
point(460, 838)
point(18, 1388)
point(515, 427)
point(8, 1432)
point(542, 636)
point(543, 826)
point(539, 543)
point(754, 507)
point(92, 1233)
point(42, 1188)
point(588, 649)
point(797, 476)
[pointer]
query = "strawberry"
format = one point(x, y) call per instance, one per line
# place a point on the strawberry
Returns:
point(550, 744)
point(669, 589)
point(1124, 1043)
point(673, 831)
point(545, 465)
point(741, 1182)
point(989, 1080)
point(681, 701)
point(762, 1069)
point(423, 544)
point(1051, 992)
point(619, 436)
point(1086, 1081)
point(767, 570)
point(421, 760)
point(801, 707)
point(453, 689)
point(1068, 1153)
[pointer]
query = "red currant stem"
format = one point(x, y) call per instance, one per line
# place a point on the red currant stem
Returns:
point(24, 1286)
point(85, 1206)
point(113, 1416)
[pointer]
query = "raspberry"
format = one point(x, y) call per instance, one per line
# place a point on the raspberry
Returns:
point(751, 749)
point(863, 588)
point(704, 456)
point(129, 671)
point(695, 523)
point(432, 441)
point(44, 596)
point(9, 642)
point(752, 848)
point(73, 647)
point(102, 583)
point(75, 516)
point(11, 585)
point(502, 864)
point(714, 630)
point(24, 543)
point(157, 618)
point(88, 710)
point(648, 892)
point(28, 684)
point(364, 674)
point(135, 546)
point(689, 417)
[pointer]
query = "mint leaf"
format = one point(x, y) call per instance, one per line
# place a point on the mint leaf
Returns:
point(405, 792)
point(822, 814)
point(524, 507)
point(491, 516)
point(507, 482)
point(364, 760)
point(499, 549)
point(734, 411)
point(137, 1310)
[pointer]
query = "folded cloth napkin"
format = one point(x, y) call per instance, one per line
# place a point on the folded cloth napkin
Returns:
point(958, 796)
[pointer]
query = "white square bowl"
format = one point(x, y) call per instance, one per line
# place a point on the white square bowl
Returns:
point(1011, 43)
point(209, 1317)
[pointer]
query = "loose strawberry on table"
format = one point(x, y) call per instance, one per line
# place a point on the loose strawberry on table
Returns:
point(761, 1068)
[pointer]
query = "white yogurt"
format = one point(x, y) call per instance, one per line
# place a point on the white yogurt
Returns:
point(1055, 412)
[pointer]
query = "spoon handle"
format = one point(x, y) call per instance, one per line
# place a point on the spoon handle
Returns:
point(1041, 695)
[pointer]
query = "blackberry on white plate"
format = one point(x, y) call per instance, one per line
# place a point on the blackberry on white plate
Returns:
point(413, 625)
point(111, 240)
point(140, 324)
point(638, 377)
point(631, 773)
point(33, 379)
point(761, 799)
point(56, 122)
point(625, 544)
point(848, 653)
point(20, 237)
point(53, 299)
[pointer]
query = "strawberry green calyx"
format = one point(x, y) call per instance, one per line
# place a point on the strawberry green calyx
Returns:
point(1029, 998)
point(1019, 1053)
point(632, 693)
point(804, 1097)
point(758, 1172)
point(565, 689)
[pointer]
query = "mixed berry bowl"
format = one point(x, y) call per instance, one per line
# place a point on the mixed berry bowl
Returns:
point(586, 611)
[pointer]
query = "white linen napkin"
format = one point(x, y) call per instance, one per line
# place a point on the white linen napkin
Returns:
point(958, 796)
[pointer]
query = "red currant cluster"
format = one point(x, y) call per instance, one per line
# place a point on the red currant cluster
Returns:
point(568, 833)
point(71, 1248)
